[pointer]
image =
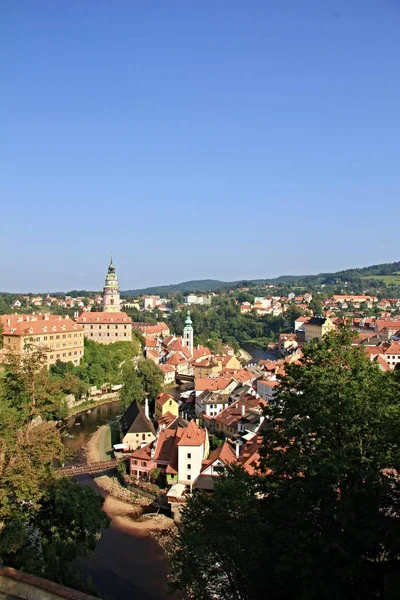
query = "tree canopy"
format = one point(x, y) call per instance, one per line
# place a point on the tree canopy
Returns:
point(321, 520)
point(46, 524)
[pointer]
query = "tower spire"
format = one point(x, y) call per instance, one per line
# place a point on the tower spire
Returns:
point(188, 333)
point(111, 290)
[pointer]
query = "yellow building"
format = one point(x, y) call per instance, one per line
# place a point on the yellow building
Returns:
point(165, 403)
point(317, 327)
point(215, 364)
point(60, 338)
point(207, 366)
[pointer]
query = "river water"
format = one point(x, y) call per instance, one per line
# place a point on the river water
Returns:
point(125, 565)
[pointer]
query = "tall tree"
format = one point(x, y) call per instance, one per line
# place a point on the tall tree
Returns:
point(322, 522)
point(333, 458)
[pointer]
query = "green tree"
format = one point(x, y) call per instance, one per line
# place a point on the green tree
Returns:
point(46, 524)
point(323, 518)
point(64, 530)
point(218, 551)
point(332, 454)
point(132, 389)
point(151, 378)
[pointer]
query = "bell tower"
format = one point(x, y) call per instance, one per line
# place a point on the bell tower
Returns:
point(111, 299)
point(188, 334)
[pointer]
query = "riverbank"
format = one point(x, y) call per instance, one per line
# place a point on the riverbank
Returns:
point(89, 404)
point(243, 355)
point(122, 506)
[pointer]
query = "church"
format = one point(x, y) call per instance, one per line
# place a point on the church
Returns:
point(111, 325)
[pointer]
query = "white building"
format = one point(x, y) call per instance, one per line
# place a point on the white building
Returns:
point(193, 299)
point(193, 448)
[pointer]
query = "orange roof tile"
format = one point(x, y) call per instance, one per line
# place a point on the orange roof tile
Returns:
point(162, 398)
point(193, 435)
point(103, 317)
point(19, 325)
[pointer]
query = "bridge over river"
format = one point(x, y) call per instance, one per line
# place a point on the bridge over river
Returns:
point(96, 467)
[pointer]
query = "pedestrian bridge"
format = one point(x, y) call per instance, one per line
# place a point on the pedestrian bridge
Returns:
point(96, 467)
point(180, 378)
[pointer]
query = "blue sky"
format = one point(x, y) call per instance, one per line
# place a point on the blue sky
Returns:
point(202, 139)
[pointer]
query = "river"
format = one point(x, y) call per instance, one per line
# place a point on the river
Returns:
point(126, 564)
point(258, 353)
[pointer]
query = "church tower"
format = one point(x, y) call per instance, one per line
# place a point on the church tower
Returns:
point(188, 334)
point(111, 299)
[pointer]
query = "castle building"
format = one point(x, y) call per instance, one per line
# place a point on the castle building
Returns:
point(111, 325)
point(111, 290)
point(59, 338)
point(187, 340)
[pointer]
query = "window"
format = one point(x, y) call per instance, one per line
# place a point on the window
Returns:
point(45, 338)
point(189, 467)
point(64, 354)
point(143, 436)
point(108, 327)
point(52, 337)
point(57, 337)
point(189, 455)
point(189, 477)
point(57, 356)
point(51, 356)
point(64, 336)
point(143, 463)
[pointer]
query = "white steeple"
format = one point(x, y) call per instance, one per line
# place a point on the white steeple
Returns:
point(188, 334)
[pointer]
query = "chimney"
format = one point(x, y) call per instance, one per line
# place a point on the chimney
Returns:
point(9, 322)
point(243, 410)
point(237, 444)
point(146, 408)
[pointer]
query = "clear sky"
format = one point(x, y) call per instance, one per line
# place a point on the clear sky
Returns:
point(223, 139)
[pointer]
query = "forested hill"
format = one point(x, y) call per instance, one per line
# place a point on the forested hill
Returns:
point(203, 285)
point(386, 270)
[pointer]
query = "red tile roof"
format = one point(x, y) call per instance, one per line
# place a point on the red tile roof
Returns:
point(166, 368)
point(224, 453)
point(211, 383)
point(103, 317)
point(162, 398)
point(22, 325)
point(193, 435)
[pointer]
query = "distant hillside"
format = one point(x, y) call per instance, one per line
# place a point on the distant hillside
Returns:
point(390, 273)
point(203, 285)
